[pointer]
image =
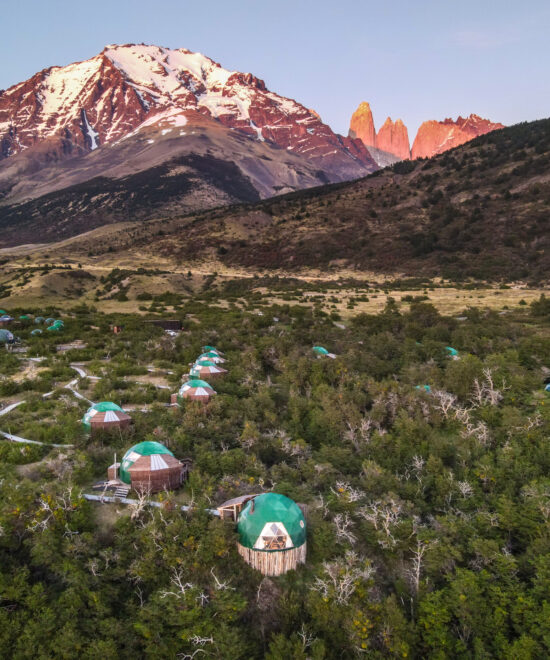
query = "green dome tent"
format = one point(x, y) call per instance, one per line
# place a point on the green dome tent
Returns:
point(24, 317)
point(213, 349)
point(206, 369)
point(270, 523)
point(211, 356)
point(3, 312)
point(146, 448)
point(320, 351)
point(196, 390)
point(103, 414)
point(55, 328)
point(452, 352)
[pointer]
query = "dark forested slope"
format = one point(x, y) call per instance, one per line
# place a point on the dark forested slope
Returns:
point(480, 210)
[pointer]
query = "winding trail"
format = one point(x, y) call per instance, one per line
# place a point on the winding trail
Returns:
point(16, 438)
point(128, 500)
point(71, 388)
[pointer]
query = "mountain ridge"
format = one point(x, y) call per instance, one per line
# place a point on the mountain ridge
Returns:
point(433, 137)
point(98, 101)
point(478, 210)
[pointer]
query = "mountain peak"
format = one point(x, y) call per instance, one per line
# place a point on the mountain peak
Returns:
point(393, 137)
point(435, 137)
point(129, 90)
point(362, 125)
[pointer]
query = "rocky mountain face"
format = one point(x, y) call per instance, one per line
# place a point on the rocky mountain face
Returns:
point(362, 125)
point(393, 138)
point(479, 211)
point(433, 137)
point(73, 110)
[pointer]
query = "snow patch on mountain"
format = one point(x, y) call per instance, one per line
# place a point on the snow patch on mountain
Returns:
point(89, 131)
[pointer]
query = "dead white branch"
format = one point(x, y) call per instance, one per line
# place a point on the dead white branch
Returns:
point(180, 586)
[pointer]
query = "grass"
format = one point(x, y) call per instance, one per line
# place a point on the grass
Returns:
point(34, 288)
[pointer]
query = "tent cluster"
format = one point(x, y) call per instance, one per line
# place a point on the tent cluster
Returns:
point(148, 467)
point(52, 324)
point(271, 527)
point(206, 366)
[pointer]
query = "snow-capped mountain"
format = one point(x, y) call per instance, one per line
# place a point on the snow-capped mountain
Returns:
point(82, 106)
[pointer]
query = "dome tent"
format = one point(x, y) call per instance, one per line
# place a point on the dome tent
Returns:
point(206, 369)
point(6, 337)
point(49, 321)
point(195, 390)
point(547, 388)
point(211, 356)
point(36, 331)
point(150, 466)
point(105, 415)
point(272, 534)
point(211, 349)
point(39, 319)
point(451, 352)
point(320, 351)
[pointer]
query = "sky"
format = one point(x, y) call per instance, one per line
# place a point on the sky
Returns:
point(414, 59)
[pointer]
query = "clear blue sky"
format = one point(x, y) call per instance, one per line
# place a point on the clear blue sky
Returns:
point(414, 59)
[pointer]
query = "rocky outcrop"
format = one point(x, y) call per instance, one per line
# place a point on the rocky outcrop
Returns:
point(393, 138)
point(435, 137)
point(88, 104)
point(362, 125)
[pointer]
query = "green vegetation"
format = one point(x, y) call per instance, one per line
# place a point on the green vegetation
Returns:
point(427, 511)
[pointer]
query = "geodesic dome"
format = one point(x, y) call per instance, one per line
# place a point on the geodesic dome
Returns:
point(105, 415)
point(272, 534)
point(195, 390)
point(206, 369)
point(150, 466)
